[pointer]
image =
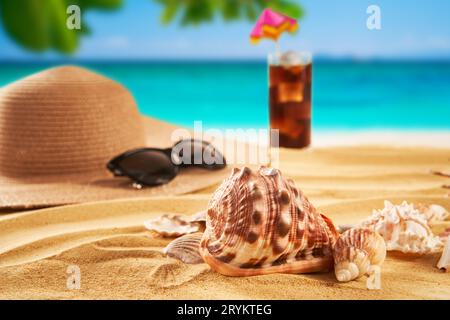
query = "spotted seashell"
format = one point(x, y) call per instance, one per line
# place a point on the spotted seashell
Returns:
point(356, 252)
point(404, 228)
point(259, 223)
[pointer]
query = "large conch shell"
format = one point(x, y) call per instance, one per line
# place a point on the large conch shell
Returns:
point(404, 228)
point(259, 223)
point(358, 252)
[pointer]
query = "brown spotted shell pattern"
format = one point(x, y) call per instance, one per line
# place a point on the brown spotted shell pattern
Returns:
point(357, 252)
point(259, 223)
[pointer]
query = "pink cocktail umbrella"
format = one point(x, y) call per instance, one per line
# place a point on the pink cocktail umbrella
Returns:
point(271, 25)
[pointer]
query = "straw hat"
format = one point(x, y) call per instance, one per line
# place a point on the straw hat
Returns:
point(59, 128)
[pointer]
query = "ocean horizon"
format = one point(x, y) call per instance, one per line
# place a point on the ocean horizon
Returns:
point(348, 94)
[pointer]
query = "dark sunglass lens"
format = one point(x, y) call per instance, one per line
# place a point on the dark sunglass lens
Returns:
point(198, 153)
point(114, 169)
point(149, 167)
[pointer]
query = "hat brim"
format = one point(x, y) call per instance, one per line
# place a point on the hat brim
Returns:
point(47, 191)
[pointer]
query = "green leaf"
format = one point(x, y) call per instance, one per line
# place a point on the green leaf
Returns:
point(40, 25)
point(195, 12)
point(98, 4)
point(170, 11)
point(61, 38)
point(230, 9)
point(251, 12)
point(287, 7)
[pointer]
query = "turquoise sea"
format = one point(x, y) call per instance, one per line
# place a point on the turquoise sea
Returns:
point(346, 95)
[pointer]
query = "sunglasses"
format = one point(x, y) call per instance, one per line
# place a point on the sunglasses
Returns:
point(153, 167)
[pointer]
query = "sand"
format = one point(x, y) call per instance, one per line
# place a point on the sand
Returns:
point(119, 259)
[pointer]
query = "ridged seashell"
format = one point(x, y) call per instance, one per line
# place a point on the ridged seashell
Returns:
point(356, 252)
point(433, 212)
point(444, 261)
point(176, 225)
point(185, 248)
point(403, 228)
point(259, 223)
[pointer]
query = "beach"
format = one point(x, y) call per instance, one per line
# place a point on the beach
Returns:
point(248, 129)
point(119, 259)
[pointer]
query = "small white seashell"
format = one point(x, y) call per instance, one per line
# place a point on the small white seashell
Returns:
point(176, 225)
point(433, 212)
point(404, 228)
point(356, 252)
point(444, 261)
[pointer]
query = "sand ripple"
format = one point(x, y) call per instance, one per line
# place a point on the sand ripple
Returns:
point(119, 259)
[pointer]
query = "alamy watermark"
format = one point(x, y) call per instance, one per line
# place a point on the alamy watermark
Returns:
point(73, 21)
point(373, 21)
point(249, 146)
point(374, 280)
point(73, 281)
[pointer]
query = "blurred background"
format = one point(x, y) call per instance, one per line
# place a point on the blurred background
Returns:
point(188, 60)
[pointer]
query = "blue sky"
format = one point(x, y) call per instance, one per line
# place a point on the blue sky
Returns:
point(410, 29)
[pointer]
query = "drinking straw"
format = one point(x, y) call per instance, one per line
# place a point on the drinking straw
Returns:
point(270, 25)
